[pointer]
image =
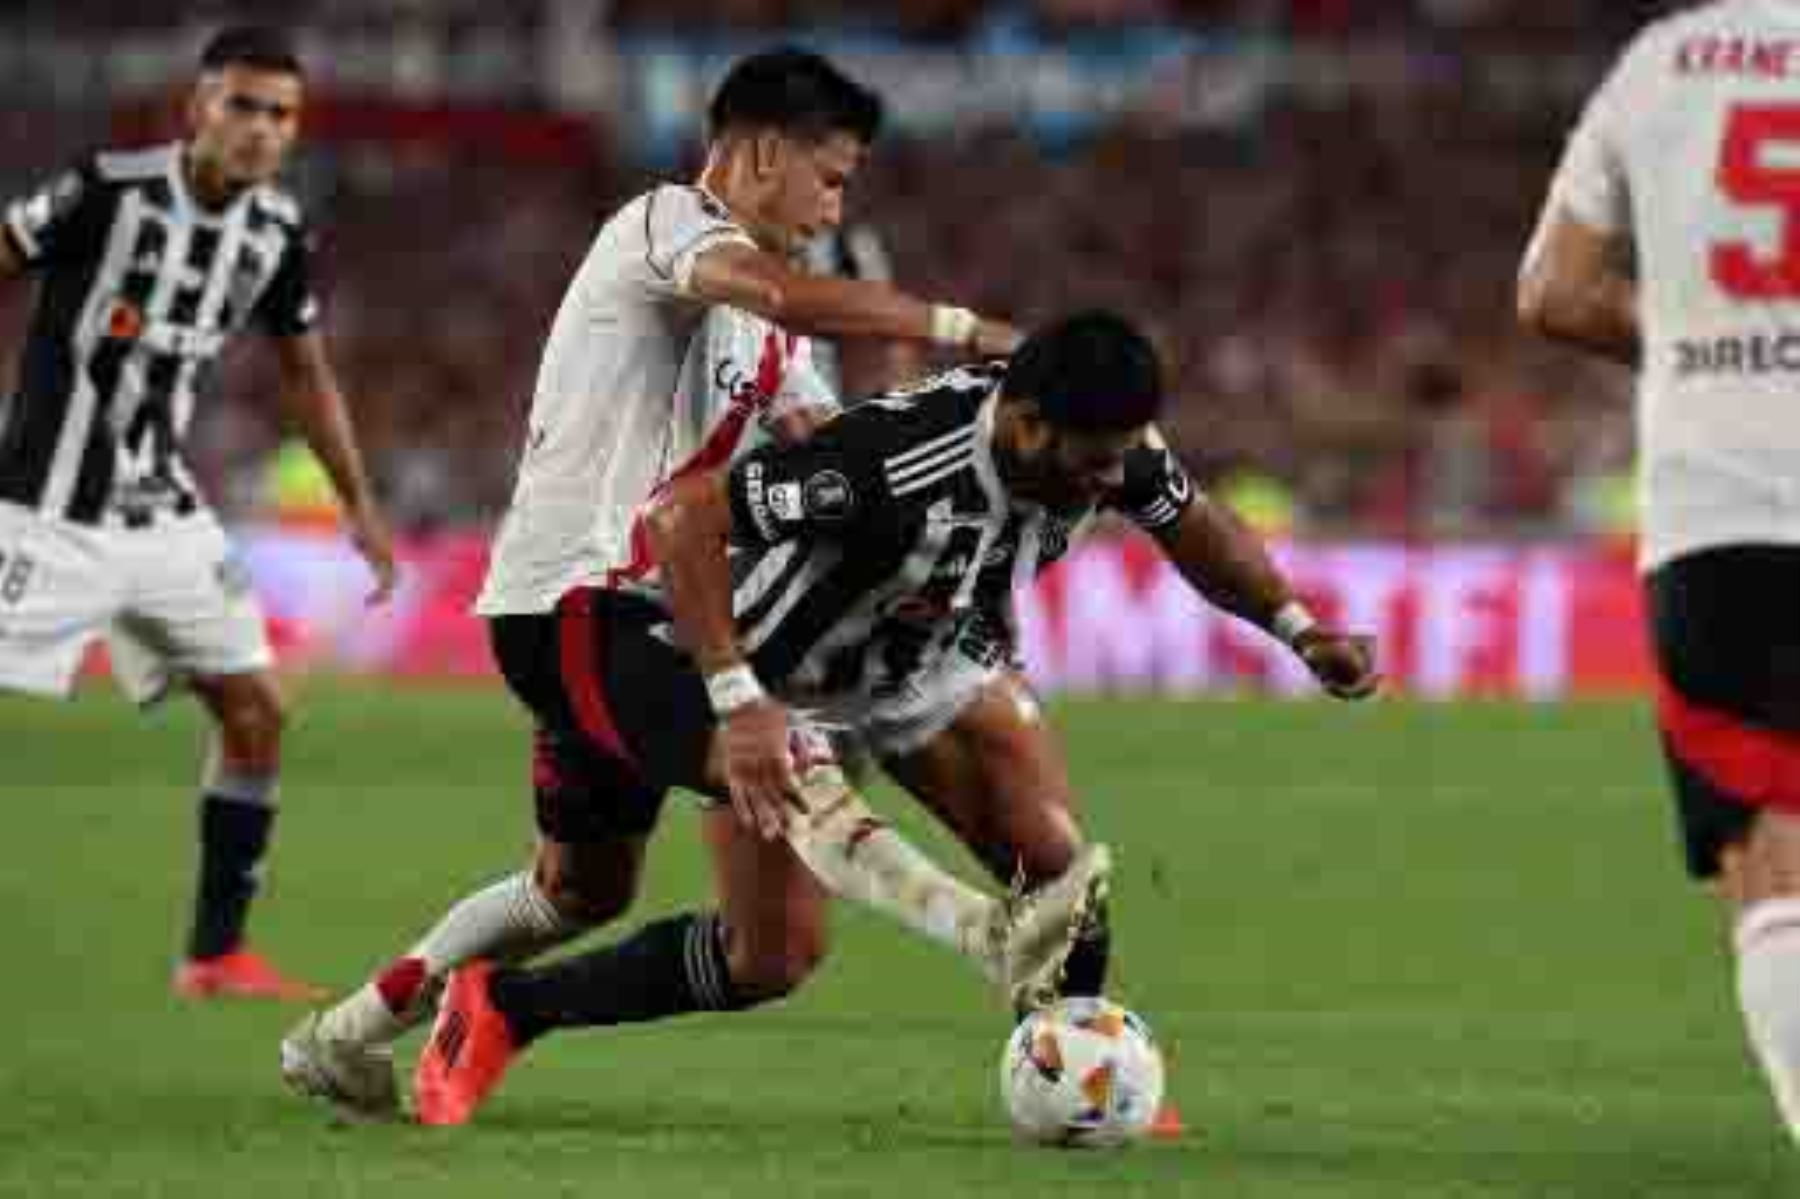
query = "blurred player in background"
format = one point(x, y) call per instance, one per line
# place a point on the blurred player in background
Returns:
point(1671, 242)
point(149, 261)
point(854, 367)
point(624, 406)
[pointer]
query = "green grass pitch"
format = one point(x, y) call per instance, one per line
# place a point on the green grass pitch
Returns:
point(1399, 951)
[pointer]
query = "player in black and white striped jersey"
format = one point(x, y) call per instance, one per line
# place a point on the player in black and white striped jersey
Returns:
point(149, 261)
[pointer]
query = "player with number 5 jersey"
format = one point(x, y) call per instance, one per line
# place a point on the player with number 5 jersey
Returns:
point(1671, 241)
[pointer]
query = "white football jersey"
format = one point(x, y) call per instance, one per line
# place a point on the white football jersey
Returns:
point(1691, 148)
point(741, 377)
point(634, 379)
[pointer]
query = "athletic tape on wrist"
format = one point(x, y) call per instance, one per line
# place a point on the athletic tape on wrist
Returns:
point(732, 688)
point(1291, 621)
point(952, 326)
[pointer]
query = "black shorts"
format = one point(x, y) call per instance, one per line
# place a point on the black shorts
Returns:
point(1725, 624)
point(621, 714)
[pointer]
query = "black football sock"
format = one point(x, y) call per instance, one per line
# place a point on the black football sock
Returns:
point(664, 969)
point(234, 833)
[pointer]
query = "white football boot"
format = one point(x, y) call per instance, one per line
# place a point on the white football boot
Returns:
point(1033, 932)
point(356, 1079)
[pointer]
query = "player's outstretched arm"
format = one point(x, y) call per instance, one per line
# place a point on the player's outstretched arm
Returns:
point(312, 399)
point(1575, 287)
point(689, 525)
point(825, 306)
point(1226, 562)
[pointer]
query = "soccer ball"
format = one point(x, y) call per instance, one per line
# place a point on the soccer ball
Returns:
point(1083, 1072)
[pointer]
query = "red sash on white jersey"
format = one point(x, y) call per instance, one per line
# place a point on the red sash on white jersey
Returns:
point(750, 401)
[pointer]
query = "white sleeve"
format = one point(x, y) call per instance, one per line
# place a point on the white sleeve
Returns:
point(1591, 181)
point(681, 223)
point(802, 386)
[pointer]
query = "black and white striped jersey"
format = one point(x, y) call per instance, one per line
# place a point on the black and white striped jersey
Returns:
point(140, 287)
point(888, 538)
point(849, 252)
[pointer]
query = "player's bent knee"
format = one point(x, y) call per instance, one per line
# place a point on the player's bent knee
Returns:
point(1046, 855)
point(586, 898)
point(591, 906)
point(1038, 853)
point(252, 718)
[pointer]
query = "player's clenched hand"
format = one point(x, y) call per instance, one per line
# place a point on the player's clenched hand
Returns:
point(759, 767)
point(1344, 663)
point(370, 534)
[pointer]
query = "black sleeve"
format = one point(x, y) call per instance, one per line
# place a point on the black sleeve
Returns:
point(287, 306)
point(62, 219)
point(1157, 489)
point(832, 485)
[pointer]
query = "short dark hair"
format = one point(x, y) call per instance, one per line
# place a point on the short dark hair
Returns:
point(796, 92)
point(261, 46)
point(1091, 372)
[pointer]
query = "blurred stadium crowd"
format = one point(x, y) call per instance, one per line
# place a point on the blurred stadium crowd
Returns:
point(1332, 277)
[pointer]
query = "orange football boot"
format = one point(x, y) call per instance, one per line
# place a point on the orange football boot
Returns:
point(241, 974)
point(470, 1048)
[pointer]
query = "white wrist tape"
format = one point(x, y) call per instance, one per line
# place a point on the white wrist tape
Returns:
point(953, 326)
point(732, 688)
point(1291, 620)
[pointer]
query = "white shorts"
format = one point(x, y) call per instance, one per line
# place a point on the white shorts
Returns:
point(894, 725)
point(171, 599)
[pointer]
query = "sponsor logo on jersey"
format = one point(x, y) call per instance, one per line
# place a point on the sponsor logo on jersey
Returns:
point(125, 322)
point(1745, 354)
point(785, 501)
point(756, 499)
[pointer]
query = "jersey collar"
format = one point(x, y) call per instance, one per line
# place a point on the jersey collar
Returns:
point(189, 205)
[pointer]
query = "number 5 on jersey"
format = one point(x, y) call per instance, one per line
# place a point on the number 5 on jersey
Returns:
point(1759, 165)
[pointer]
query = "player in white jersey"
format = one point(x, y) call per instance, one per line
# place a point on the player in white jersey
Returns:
point(1671, 241)
point(622, 407)
point(149, 261)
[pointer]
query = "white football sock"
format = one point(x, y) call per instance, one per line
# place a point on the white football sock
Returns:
point(859, 857)
point(508, 921)
point(1768, 981)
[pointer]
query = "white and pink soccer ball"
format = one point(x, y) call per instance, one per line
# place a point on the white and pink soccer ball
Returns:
point(1082, 1073)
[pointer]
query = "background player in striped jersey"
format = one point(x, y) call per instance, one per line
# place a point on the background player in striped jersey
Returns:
point(149, 261)
point(1671, 241)
point(856, 367)
point(832, 571)
point(623, 404)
